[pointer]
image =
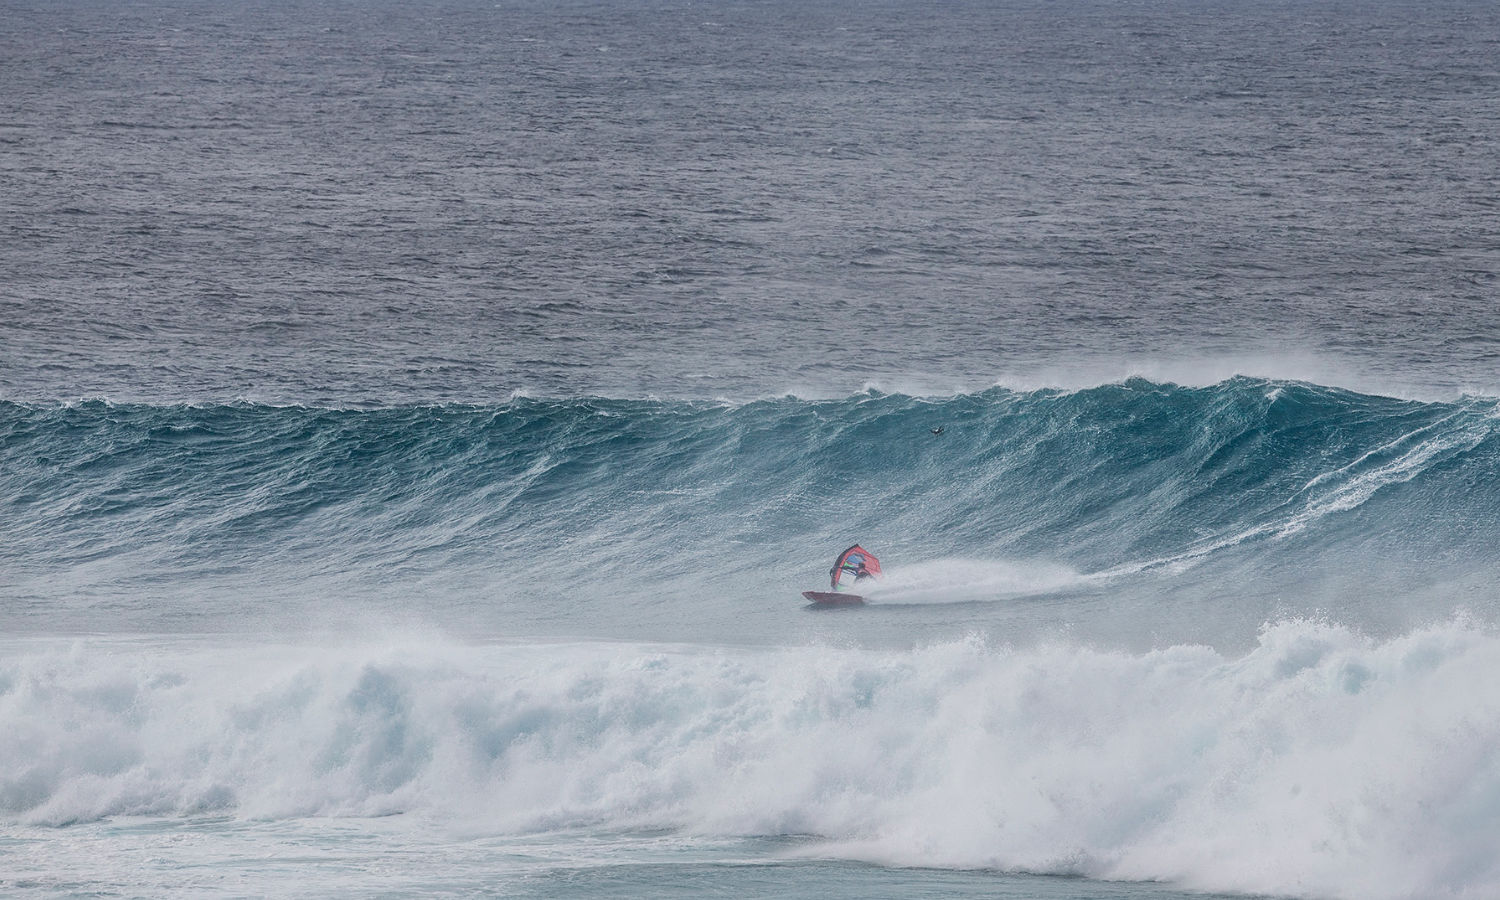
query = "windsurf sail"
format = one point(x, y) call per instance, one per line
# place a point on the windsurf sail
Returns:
point(854, 564)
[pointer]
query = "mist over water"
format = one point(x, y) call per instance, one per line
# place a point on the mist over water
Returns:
point(418, 425)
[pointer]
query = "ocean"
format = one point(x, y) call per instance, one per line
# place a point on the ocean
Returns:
point(418, 423)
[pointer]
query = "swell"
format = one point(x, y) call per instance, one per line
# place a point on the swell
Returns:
point(1115, 479)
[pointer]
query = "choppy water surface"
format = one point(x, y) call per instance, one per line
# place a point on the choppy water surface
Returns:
point(348, 203)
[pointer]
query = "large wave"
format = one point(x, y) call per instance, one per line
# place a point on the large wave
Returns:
point(1346, 756)
point(1322, 763)
point(534, 495)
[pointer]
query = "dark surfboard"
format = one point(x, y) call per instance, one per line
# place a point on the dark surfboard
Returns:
point(833, 598)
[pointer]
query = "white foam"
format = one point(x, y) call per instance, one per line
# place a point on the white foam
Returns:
point(1323, 763)
point(968, 580)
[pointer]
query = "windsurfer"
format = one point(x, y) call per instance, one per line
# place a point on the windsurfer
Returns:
point(861, 572)
point(853, 566)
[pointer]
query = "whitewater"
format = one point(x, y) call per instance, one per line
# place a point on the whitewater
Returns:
point(419, 423)
point(1298, 768)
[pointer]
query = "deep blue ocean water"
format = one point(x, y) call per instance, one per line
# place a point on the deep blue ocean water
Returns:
point(418, 423)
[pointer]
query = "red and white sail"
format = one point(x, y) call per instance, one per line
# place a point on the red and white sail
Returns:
point(852, 565)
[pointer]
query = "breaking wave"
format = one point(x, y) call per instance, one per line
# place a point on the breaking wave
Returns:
point(1321, 763)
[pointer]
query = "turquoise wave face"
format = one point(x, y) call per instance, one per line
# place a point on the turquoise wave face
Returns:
point(1248, 477)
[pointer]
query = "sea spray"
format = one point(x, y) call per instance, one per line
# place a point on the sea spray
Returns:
point(1321, 763)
